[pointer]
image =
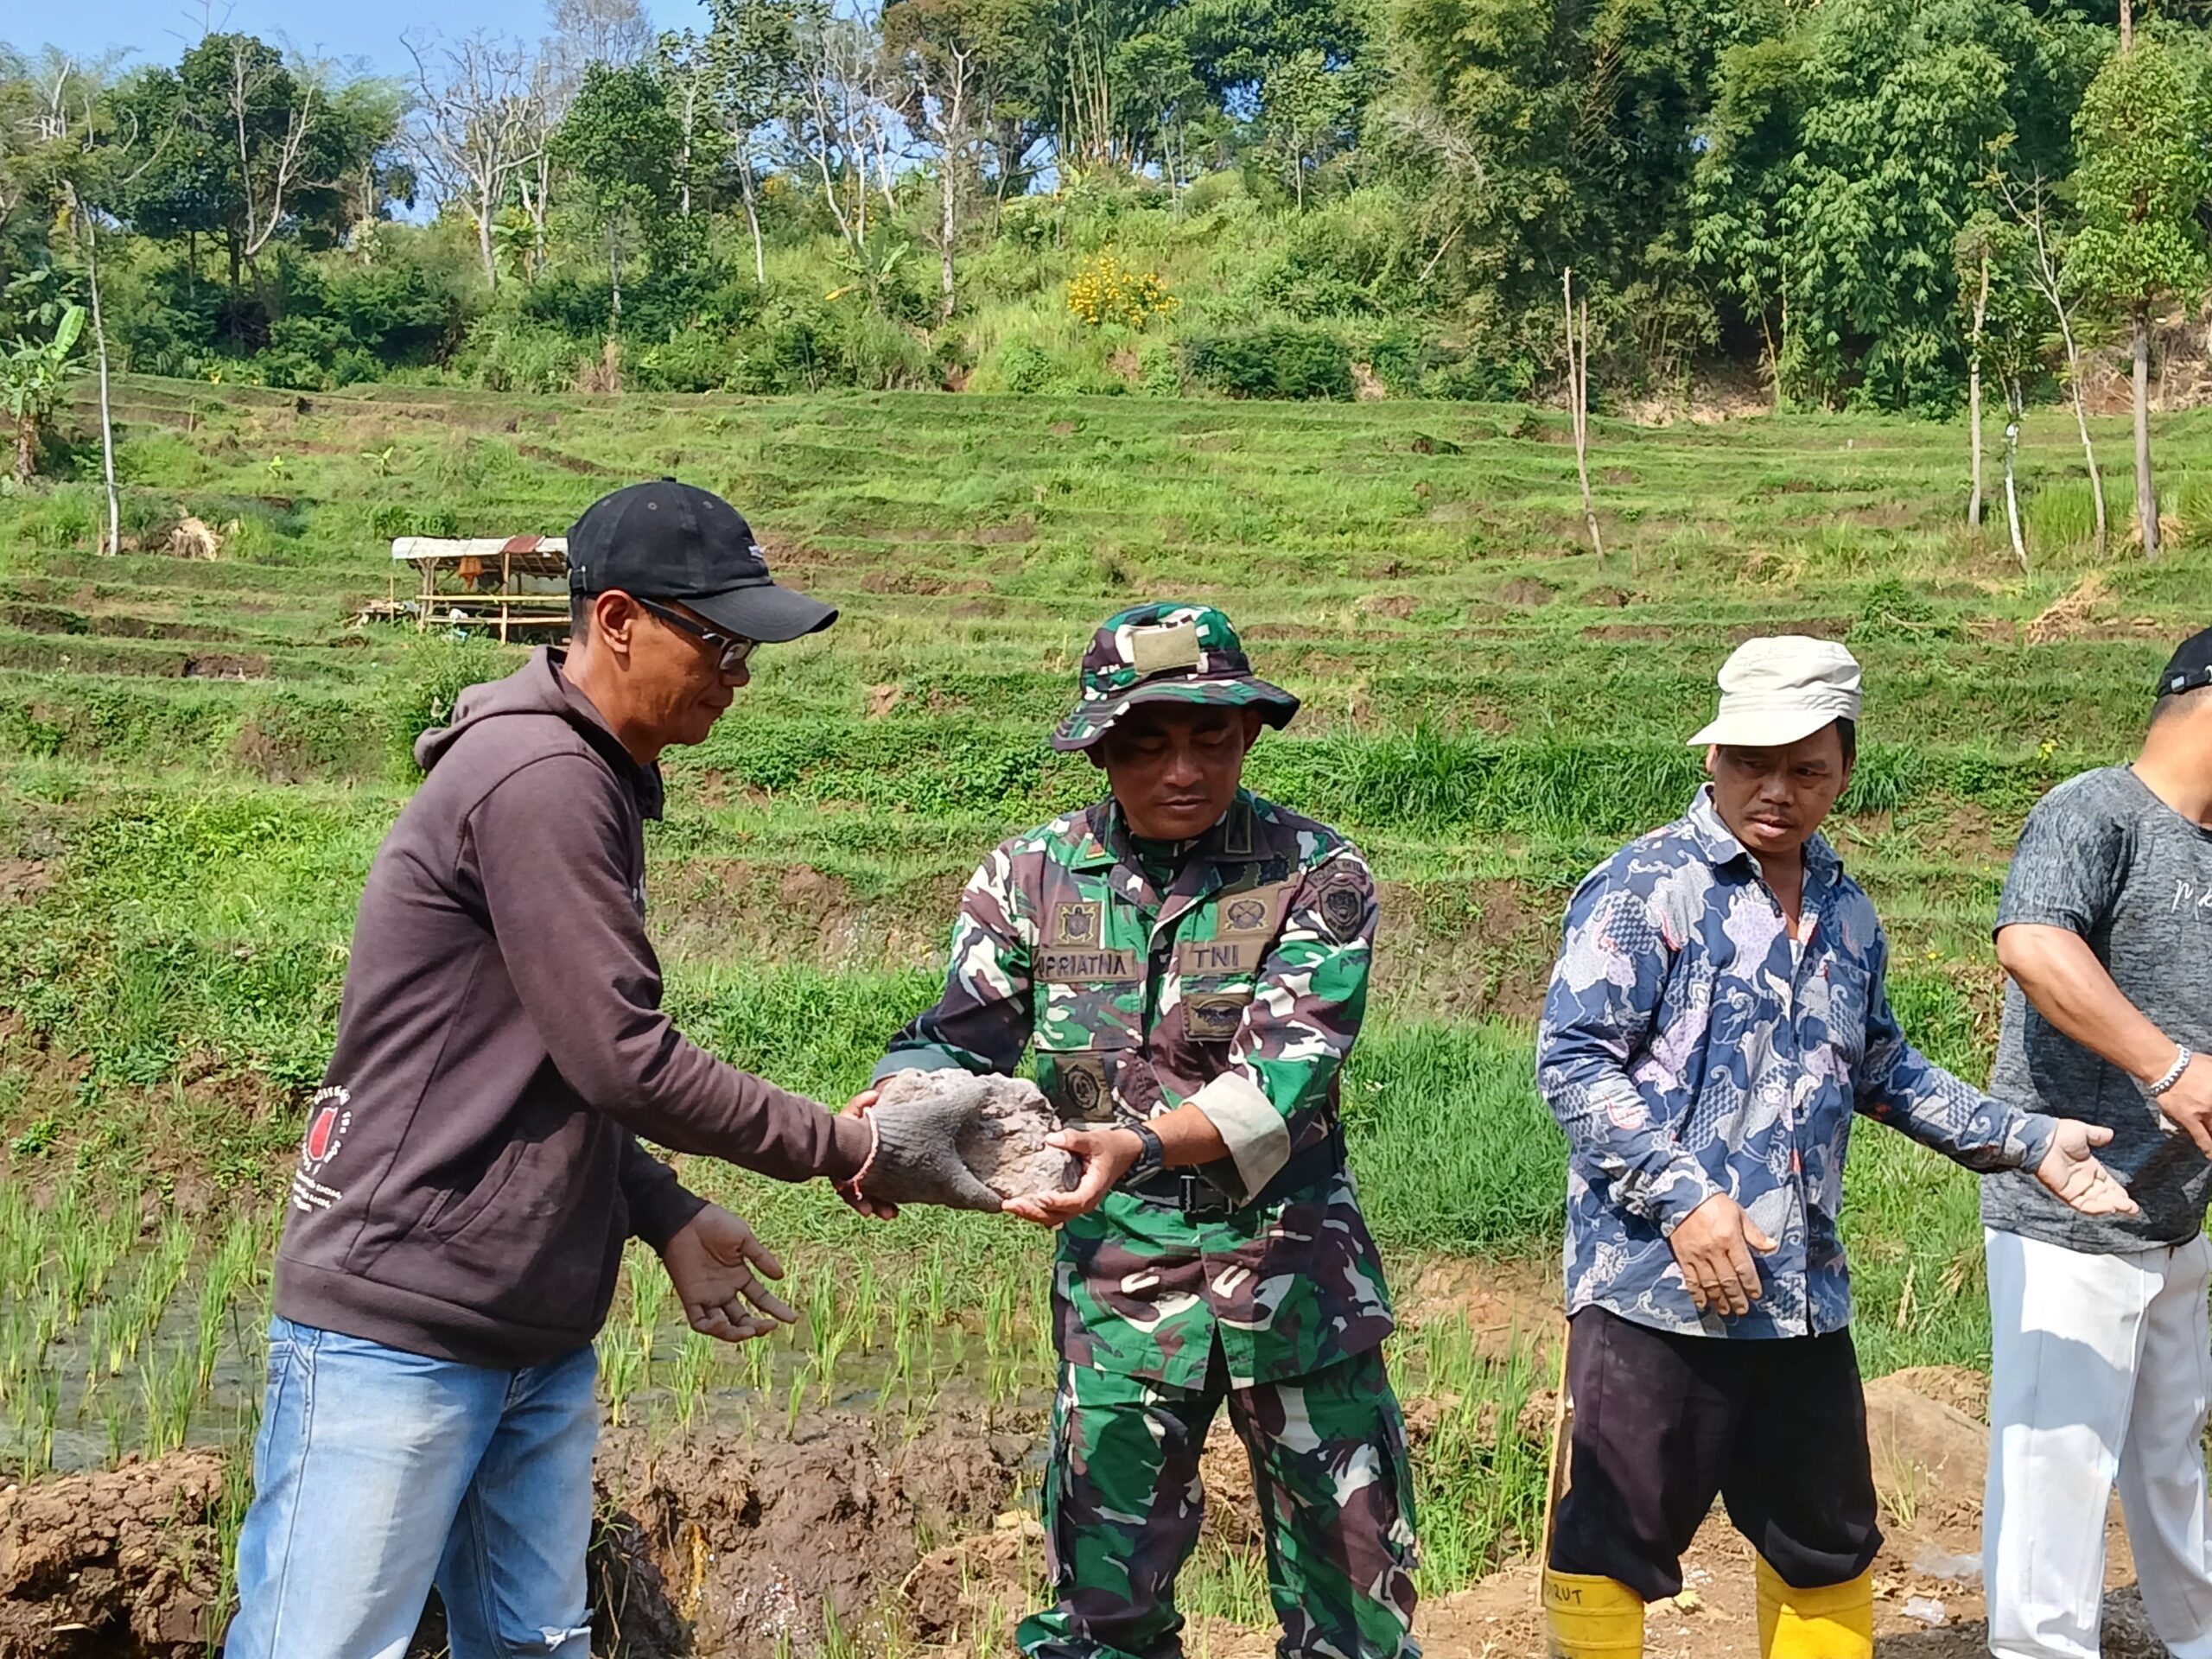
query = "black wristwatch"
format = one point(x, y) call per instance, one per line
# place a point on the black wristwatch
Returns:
point(1152, 1157)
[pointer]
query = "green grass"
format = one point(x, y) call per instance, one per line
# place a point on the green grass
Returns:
point(1488, 710)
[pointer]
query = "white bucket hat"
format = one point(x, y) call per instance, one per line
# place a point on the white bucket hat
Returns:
point(1776, 690)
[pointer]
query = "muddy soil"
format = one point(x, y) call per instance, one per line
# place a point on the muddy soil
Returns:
point(1928, 1458)
point(727, 1546)
point(743, 1546)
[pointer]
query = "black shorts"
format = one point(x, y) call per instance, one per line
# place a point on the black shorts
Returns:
point(1664, 1423)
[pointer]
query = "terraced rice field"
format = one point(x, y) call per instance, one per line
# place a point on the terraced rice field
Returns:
point(198, 758)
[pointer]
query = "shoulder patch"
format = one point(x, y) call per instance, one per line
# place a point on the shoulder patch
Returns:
point(1342, 904)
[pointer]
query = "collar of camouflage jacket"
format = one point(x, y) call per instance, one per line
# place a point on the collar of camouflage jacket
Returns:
point(1244, 834)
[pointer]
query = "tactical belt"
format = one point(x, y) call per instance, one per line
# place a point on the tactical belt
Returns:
point(1201, 1197)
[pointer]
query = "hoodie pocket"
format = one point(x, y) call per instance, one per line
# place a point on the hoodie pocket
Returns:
point(454, 1210)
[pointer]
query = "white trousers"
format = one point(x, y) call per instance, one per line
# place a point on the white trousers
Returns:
point(2101, 1367)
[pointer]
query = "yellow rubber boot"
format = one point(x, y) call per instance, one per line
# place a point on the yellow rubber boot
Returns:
point(1590, 1617)
point(1834, 1621)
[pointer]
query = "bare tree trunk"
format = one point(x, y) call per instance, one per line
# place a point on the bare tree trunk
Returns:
point(114, 544)
point(1973, 397)
point(2081, 425)
point(484, 239)
point(752, 220)
point(614, 269)
point(1578, 398)
point(2146, 493)
point(2011, 457)
point(948, 227)
point(2127, 25)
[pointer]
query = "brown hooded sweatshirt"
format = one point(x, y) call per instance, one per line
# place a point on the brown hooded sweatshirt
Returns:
point(469, 1170)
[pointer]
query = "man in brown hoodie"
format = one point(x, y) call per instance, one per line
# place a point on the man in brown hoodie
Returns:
point(471, 1167)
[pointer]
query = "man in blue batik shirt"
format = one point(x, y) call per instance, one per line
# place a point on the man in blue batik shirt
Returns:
point(1717, 1017)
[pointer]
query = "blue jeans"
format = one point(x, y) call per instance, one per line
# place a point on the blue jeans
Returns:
point(378, 1473)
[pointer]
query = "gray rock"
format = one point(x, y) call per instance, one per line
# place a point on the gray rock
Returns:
point(1004, 1142)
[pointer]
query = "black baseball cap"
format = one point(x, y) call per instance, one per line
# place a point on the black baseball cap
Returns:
point(2190, 666)
point(666, 540)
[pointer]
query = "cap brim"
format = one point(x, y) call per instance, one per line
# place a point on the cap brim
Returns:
point(1764, 728)
point(765, 612)
point(1091, 722)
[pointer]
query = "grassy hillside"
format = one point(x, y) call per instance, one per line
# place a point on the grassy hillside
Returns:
point(198, 757)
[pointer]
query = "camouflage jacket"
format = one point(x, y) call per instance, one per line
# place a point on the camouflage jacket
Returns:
point(1240, 988)
point(1689, 1046)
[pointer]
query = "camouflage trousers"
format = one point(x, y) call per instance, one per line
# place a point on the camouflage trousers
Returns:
point(1123, 1502)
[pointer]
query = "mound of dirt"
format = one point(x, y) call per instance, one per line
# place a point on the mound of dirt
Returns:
point(116, 1564)
point(723, 1546)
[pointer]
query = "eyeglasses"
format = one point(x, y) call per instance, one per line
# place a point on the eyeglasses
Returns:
point(735, 647)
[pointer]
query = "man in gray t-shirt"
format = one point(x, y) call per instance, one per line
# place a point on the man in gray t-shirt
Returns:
point(2101, 1361)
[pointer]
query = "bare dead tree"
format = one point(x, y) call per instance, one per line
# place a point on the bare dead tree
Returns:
point(1577, 399)
point(846, 118)
point(265, 195)
point(947, 100)
point(2043, 271)
point(479, 124)
point(586, 31)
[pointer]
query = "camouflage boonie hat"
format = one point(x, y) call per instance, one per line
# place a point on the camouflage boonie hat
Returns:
point(1166, 653)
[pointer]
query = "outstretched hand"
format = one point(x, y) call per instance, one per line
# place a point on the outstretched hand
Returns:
point(1105, 1155)
point(717, 1265)
point(2074, 1172)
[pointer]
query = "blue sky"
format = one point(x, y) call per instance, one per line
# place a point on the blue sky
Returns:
point(157, 30)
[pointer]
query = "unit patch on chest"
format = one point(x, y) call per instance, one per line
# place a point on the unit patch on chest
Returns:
point(1215, 1016)
point(1077, 921)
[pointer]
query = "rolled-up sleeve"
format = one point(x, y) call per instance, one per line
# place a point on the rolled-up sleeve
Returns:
point(1599, 1014)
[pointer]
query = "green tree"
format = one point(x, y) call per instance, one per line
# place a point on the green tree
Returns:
point(1844, 159)
point(622, 147)
point(751, 52)
point(1305, 112)
point(252, 151)
point(2140, 189)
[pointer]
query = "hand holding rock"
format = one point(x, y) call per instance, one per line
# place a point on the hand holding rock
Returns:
point(956, 1138)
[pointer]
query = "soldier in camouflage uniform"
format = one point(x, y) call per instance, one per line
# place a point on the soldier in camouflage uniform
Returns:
point(1190, 963)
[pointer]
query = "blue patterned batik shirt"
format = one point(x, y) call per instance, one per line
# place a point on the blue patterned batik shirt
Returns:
point(1689, 1047)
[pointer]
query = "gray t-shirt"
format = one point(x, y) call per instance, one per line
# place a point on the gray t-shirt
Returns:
point(2103, 857)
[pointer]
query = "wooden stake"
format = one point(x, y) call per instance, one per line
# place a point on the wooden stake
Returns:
point(1577, 400)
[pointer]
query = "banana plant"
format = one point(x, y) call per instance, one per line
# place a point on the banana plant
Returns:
point(32, 376)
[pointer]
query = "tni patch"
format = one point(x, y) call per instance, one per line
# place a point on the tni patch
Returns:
point(1077, 923)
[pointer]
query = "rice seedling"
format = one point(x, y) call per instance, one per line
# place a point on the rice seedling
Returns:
point(621, 1367)
point(168, 1391)
point(649, 1293)
point(695, 1364)
point(45, 1409)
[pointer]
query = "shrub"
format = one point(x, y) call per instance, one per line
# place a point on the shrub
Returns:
point(695, 360)
point(391, 520)
point(1278, 360)
point(1025, 366)
point(1159, 372)
point(509, 356)
point(1106, 290)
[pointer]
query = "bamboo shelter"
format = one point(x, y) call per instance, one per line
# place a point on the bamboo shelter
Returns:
point(511, 587)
